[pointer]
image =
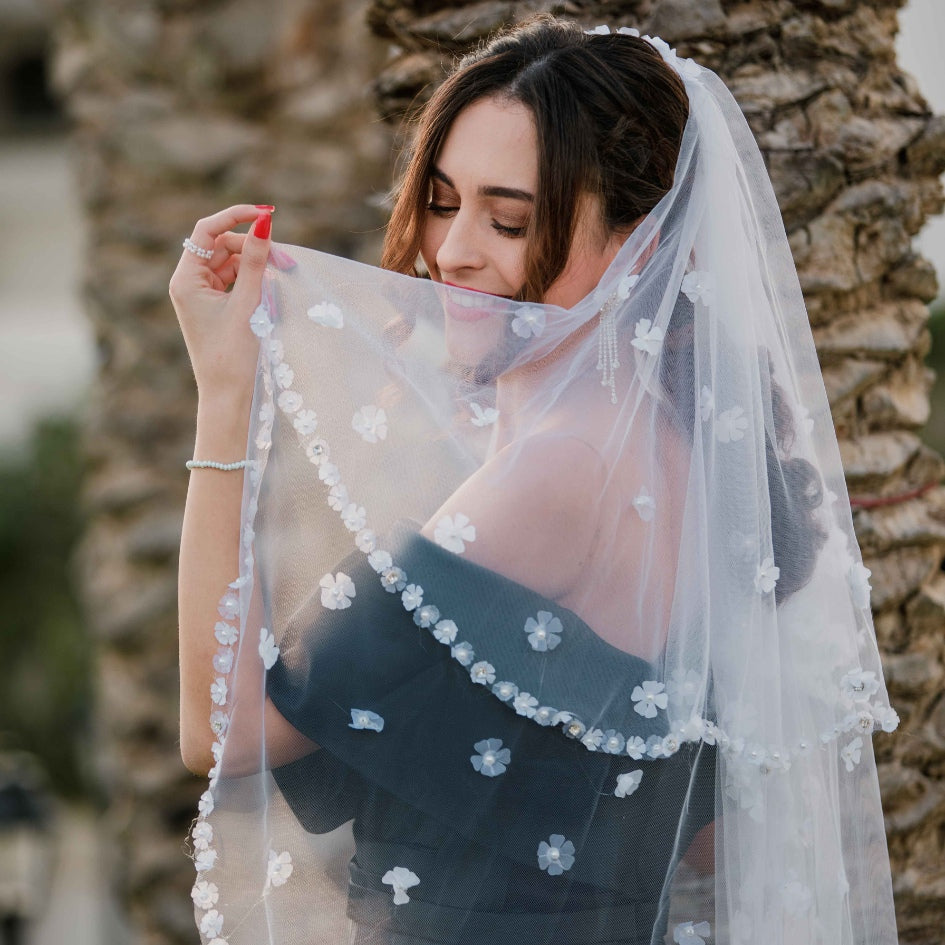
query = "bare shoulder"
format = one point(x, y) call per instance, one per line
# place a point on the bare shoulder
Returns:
point(535, 509)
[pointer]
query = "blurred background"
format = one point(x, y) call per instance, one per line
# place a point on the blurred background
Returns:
point(120, 124)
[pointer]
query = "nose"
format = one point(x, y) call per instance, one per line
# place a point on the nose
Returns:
point(460, 247)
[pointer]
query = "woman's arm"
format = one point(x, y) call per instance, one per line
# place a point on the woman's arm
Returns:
point(223, 353)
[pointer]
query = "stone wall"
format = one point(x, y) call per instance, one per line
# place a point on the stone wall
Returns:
point(181, 108)
point(854, 154)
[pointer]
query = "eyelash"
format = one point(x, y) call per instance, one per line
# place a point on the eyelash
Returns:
point(511, 232)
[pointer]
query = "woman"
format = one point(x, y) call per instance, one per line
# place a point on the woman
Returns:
point(555, 625)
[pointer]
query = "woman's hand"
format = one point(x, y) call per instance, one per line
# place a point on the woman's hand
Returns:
point(215, 322)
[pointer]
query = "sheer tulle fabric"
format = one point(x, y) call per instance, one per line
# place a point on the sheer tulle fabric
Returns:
point(642, 714)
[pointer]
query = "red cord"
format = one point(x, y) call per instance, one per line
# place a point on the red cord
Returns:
point(869, 502)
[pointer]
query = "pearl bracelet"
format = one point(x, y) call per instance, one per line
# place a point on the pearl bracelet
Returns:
point(210, 464)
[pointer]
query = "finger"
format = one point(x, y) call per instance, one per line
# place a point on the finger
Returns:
point(209, 228)
point(248, 286)
point(227, 245)
point(228, 272)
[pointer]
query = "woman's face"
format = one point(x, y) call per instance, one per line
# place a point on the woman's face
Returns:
point(481, 199)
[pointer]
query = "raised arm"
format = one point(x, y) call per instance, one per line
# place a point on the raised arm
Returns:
point(223, 353)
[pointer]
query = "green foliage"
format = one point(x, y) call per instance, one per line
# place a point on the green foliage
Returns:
point(45, 696)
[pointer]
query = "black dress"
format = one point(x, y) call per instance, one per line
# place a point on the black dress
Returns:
point(417, 801)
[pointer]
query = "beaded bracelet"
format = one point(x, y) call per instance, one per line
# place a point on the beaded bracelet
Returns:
point(210, 464)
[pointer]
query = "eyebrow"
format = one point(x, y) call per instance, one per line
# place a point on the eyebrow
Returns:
point(488, 190)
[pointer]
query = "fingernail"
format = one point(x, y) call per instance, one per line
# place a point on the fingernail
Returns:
point(262, 226)
point(265, 206)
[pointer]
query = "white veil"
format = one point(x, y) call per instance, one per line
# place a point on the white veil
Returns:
point(641, 714)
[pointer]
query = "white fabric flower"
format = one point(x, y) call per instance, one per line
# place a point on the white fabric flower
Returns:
point(219, 723)
point(706, 403)
point(366, 540)
point(393, 580)
point(380, 560)
point(337, 591)
point(276, 350)
point(202, 835)
point(886, 717)
point(850, 753)
point(223, 661)
point(766, 576)
point(289, 401)
point(329, 474)
point(613, 742)
point(283, 375)
point(689, 933)
point(598, 31)
point(205, 895)
point(305, 422)
point(463, 653)
point(545, 632)
point(205, 860)
point(699, 286)
point(648, 337)
point(365, 719)
point(229, 607)
point(268, 651)
point(524, 703)
point(205, 804)
point(505, 690)
point(317, 451)
point(426, 616)
point(627, 783)
point(645, 505)
point(445, 631)
point(557, 855)
point(482, 673)
point(859, 685)
point(649, 697)
point(279, 868)
point(412, 597)
point(483, 416)
point(452, 532)
point(218, 691)
point(211, 924)
point(592, 739)
point(327, 314)
point(628, 31)
point(492, 759)
point(354, 517)
point(338, 497)
point(683, 687)
point(370, 423)
point(260, 323)
point(626, 284)
point(730, 425)
point(858, 577)
point(400, 879)
point(545, 715)
point(529, 322)
point(636, 747)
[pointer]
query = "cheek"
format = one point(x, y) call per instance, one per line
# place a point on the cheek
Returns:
point(430, 242)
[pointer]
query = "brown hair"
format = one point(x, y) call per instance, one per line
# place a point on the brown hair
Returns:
point(609, 116)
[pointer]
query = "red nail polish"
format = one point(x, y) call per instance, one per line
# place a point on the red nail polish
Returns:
point(262, 226)
point(265, 206)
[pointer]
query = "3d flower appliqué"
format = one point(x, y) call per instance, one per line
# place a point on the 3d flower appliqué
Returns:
point(393, 580)
point(850, 753)
point(627, 783)
point(545, 632)
point(730, 425)
point(366, 540)
point(205, 860)
point(279, 868)
point(463, 653)
point(556, 855)
point(370, 423)
point(202, 835)
point(525, 704)
point(492, 759)
point(626, 284)
point(327, 314)
point(645, 505)
point(283, 375)
point(400, 879)
point(223, 660)
point(445, 631)
point(683, 687)
point(505, 690)
point(268, 651)
point(226, 634)
point(218, 691)
point(305, 422)
point(706, 403)
point(289, 401)
point(483, 416)
point(204, 894)
point(859, 685)
point(613, 742)
point(354, 517)
point(636, 747)
point(205, 804)
point(482, 673)
point(453, 531)
point(699, 286)
point(648, 337)
point(211, 924)
point(380, 560)
point(412, 596)
point(529, 322)
point(648, 697)
point(337, 591)
point(426, 616)
point(229, 607)
point(858, 577)
point(691, 933)
point(260, 323)
point(766, 576)
point(365, 719)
